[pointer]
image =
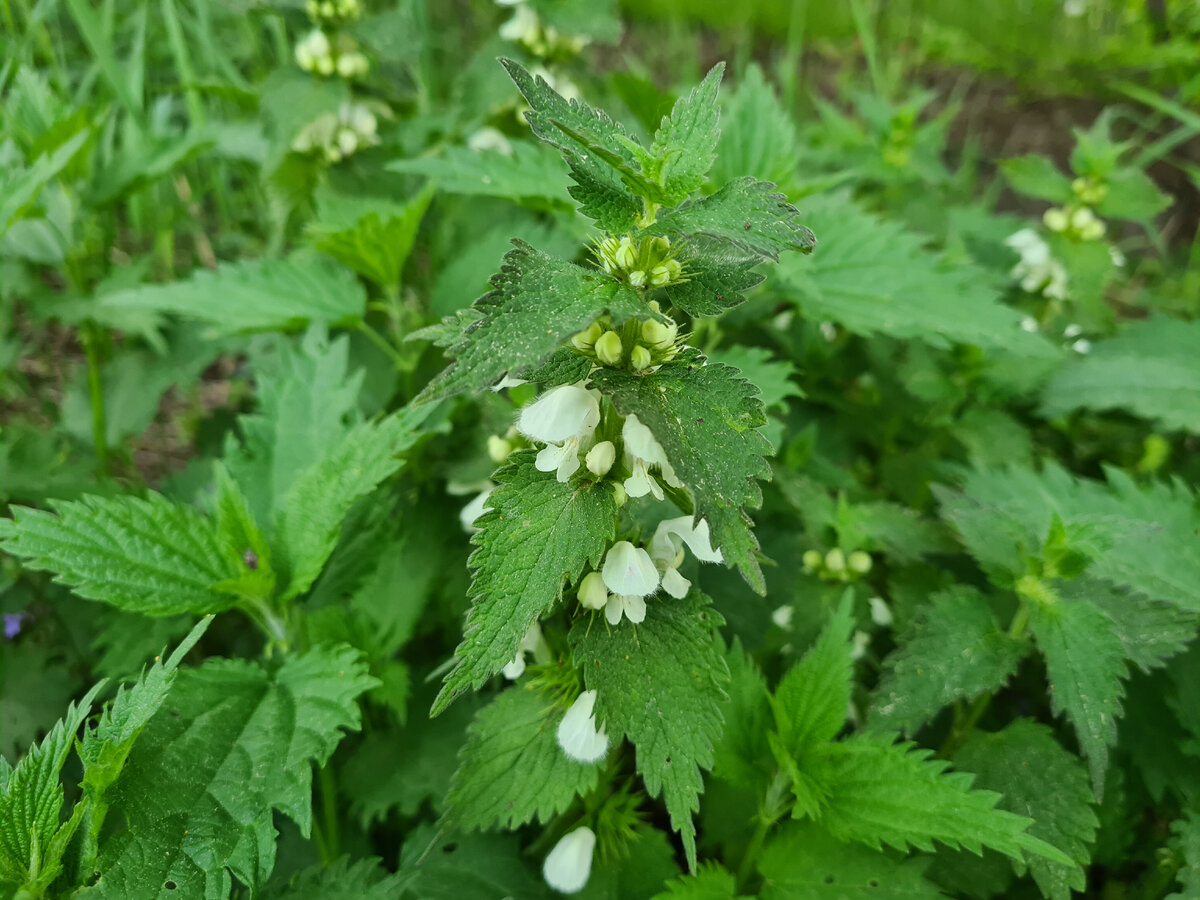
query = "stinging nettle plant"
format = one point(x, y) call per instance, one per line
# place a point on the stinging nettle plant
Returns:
point(642, 452)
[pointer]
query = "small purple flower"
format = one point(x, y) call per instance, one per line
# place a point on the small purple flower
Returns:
point(12, 624)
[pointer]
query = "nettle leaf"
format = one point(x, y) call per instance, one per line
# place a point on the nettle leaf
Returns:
point(1185, 844)
point(1037, 176)
point(231, 744)
point(771, 375)
point(602, 196)
point(1150, 632)
point(759, 136)
point(747, 214)
point(532, 173)
point(1151, 529)
point(802, 861)
point(512, 769)
point(256, 295)
point(538, 302)
point(661, 684)
point(151, 556)
point(32, 838)
point(307, 400)
point(717, 278)
point(20, 186)
point(537, 535)
point(811, 699)
point(885, 793)
point(1036, 777)
point(952, 651)
point(360, 879)
point(374, 238)
point(1086, 665)
point(742, 755)
point(687, 139)
point(707, 418)
point(564, 366)
point(436, 865)
point(711, 882)
point(310, 520)
point(1148, 369)
point(876, 277)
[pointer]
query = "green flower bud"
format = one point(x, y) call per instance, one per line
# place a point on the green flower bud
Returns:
point(586, 339)
point(1093, 231)
point(1055, 219)
point(619, 495)
point(661, 245)
point(1082, 218)
point(658, 335)
point(608, 348)
point(674, 269)
point(659, 276)
point(640, 357)
point(626, 255)
point(812, 560)
point(859, 561)
point(835, 560)
point(637, 278)
point(601, 458)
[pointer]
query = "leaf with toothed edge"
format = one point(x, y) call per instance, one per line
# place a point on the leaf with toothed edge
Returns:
point(707, 419)
point(538, 303)
point(537, 535)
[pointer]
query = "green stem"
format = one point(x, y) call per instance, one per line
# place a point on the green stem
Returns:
point(382, 343)
point(332, 849)
point(773, 806)
point(750, 858)
point(91, 350)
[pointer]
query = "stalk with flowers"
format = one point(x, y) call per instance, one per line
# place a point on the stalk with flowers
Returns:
point(642, 456)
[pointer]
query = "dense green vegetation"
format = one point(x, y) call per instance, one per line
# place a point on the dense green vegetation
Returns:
point(677, 449)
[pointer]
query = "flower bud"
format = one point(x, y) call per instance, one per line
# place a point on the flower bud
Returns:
point(601, 458)
point(860, 561)
point(592, 592)
point(608, 348)
point(1093, 231)
point(347, 141)
point(640, 357)
point(325, 65)
point(620, 496)
point(637, 278)
point(1079, 185)
point(660, 275)
point(1082, 218)
point(1055, 219)
point(674, 269)
point(812, 560)
point(658, 335)
point(881, 615)
point(661, 244)
point(626, 255)
point(569, 864)
point(586, 339)
point(498, 448)
point(835, 560)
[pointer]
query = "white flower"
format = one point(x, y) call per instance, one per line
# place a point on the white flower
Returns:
point(570, 862)
point(783, 617)
point(1083, 345)
point(564, 418)
point(313, 49)
point(577, 733)
point(1037, 271)
point(522, 26)
point(1029, 324)
point(666, 548)
point(629, 570)
point(488, 138)
point(474, 510)
point(641, 452)
point(862, 640)
point(592, 592)
point(533, 642)
point(881, 615)
point(631, 606)
point(601, 458)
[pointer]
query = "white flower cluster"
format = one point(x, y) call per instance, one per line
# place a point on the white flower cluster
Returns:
point(337, 135)
point(543, 41)
point(1079, 222)
point(317, 54)
point(1038, 272)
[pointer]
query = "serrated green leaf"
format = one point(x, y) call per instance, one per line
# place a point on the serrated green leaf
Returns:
point(741, 756)
point(242, 540)
point(307, 401)
point(532, 173)
point(876, 277)
point(1185, 844)
point(538, 303)
point(151, 556)
point(439, 865)
point(662, 685)
point(707, 418)
point(717, 276)
point(1151, 529)
point(256, 295)
point(563, 366)
point(1150, 632)
point(231, 744)
point(953, 651)
point(811, 699)
point(802, 861)
point(1037, 176)
point(1132, 194)
point(1036, 777)
point(759, 135)
point(360, 879)
point(745, 214)
point(687, 139)
point(711, 882)
point(19, 187)
point(310, 520)
point(378, 242)
point(602, 196)
point(35, 686)
point(772, 376)
point(1149, 369)
point(512, 769)
point(537, 535)
point(885, 793)
point(32, 839)
point(1086, 665)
